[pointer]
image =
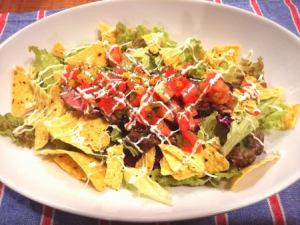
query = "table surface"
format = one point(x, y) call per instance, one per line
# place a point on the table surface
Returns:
point(280, 209)
point(30, 5)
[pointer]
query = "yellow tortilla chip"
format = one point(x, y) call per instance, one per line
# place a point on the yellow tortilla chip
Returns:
point(87, 134)
point(70, 166)
point(214, 161)
point(107, 33)
point(41, 136)
point(93, 169)
point(236, 182)
point(22, 94)
point(58, 50)
point(179, 164)
point(94, 55)
point(115, 164)
point(290, 117)
point(147, 160)
point(183, 165)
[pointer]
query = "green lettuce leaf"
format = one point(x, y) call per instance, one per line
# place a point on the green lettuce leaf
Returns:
point(199, 71)
point(46, 65)
point(207, 126)
point(116, 134)
point(170, 181)
point(233, 75)
point(255, 69)
point(192, 51)
point(166, 40)
point(273, 112)
point(138, 180)
point(223, 176)
point(238, 131)
point(43, 58)
point(133, 35)
point(8, 123)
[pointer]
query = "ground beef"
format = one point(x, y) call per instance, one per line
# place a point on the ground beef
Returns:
point(251, 141)
point(242, 156)
point(138, 132)
point(221, 130)
point(204, 109)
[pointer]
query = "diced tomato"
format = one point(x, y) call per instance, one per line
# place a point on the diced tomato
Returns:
point(169, 71)
point(149, 114)
point(190, 142)
point(174, 106)
point(190, 94)
point(178, 84)
point(114, 55)
point(119, 70)
point(135, 99)
point(71, 72)
point(122, 87)
point(164, 113)
point(184, 67)
point(218, 92)
point(106, 104)
point(164, 129)
point(138, 69)
point(183, 122)
point(154, 79)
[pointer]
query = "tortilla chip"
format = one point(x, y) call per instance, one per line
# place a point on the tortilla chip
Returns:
point(183, 165)
point(236, 182)
point(41, 136)
point(87, 134)
point(107, 33)
point(70, 166)
point(291, 116)
point(94, 55)
point(147, 160)
point(115, 163)
point(93, 169)
point(213, 160)
point(58, 50)
point(179, 164)
point(22, 94)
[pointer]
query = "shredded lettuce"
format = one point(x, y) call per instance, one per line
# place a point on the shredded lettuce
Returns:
point(238, 131)
point(138, 180)
point(8, 123)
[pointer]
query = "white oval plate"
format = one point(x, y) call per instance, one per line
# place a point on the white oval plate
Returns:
point(213, 24)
